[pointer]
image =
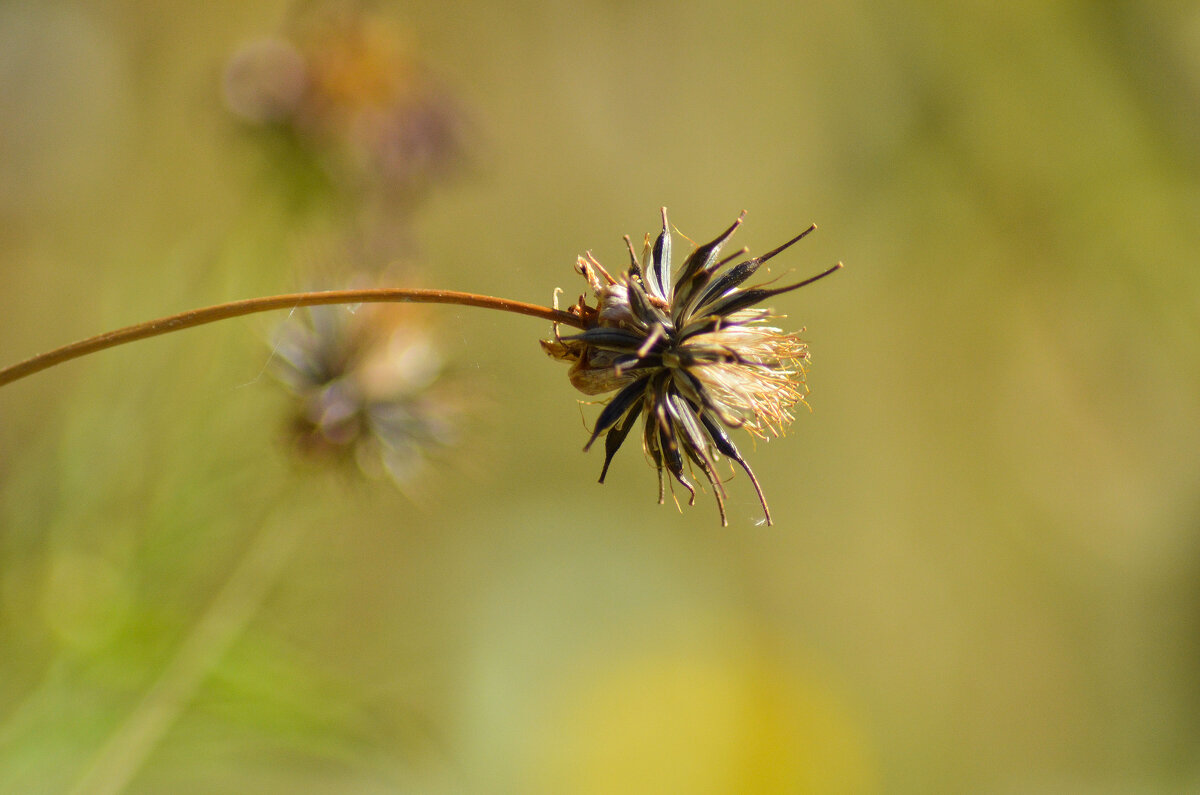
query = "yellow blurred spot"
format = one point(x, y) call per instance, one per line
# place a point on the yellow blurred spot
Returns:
point(85, 599)
point(702, 725)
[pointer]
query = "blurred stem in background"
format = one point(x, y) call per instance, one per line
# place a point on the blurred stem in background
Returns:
point(235, 605)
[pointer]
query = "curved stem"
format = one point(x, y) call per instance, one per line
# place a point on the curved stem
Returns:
point(249, 306)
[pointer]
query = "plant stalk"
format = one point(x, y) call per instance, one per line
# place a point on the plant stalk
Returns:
point(249, 306)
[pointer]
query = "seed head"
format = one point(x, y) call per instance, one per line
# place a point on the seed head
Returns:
point(690, 354)
point(369, 386)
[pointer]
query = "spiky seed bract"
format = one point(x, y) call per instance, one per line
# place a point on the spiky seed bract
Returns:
point(689, 353)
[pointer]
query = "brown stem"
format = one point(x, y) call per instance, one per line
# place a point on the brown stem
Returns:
point(249, 306)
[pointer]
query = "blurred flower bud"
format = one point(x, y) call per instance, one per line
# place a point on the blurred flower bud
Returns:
point(350, 89)
point(265, 81)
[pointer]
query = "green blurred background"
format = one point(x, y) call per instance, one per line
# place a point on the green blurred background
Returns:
point(983, 575)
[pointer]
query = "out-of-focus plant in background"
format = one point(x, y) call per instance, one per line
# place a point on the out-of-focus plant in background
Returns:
point(982, 572)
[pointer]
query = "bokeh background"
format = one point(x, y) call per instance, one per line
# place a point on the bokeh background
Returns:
point(983, 575)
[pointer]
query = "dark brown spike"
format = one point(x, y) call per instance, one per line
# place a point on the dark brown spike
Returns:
point(788, 244)
point(702, 257)
point(727, 448)
point(741, 253)
point(616, 409)
point(697, 271)
point(739, 273)
point(616, 437)
point(634, 267)
point(747, 298)
point(659, 276)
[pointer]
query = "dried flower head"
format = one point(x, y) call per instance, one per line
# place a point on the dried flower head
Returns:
point(370, 385)
point(692, 356)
